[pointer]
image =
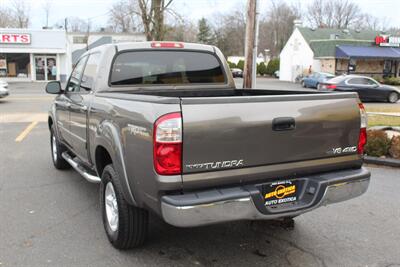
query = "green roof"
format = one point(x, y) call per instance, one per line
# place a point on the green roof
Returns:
point(325, 34)
point(321, 42)
point(327, 48)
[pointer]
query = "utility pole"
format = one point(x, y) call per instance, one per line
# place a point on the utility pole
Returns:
point(251, 43)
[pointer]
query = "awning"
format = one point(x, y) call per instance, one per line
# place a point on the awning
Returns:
point(368, 52)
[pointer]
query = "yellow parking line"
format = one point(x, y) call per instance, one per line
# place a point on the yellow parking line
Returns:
point(25, 132)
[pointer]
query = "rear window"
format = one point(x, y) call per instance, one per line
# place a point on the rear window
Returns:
point(166, 68)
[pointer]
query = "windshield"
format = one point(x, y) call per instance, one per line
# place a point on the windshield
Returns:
point(166, 68)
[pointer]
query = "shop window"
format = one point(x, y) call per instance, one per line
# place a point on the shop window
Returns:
point(14, 65)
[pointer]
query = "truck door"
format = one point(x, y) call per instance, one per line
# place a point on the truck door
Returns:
point(80, 100)
point(64, 102)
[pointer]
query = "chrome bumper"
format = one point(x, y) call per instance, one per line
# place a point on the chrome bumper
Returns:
point(244, 207)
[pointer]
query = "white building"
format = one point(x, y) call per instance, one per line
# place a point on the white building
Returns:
point(338, 51)
point(43, 55)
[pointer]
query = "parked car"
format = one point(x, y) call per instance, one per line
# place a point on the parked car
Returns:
point(367, 88)
point(237, 73)
point(186, 145)
point(314, 80)
point(3, 84)
point(3, 92)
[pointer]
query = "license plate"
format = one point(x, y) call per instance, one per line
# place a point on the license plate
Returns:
point(280, 192)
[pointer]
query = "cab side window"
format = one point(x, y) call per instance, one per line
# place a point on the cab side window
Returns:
point(89, 73)
point(74, 80)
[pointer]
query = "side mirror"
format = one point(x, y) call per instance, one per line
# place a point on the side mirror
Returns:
point(53, 87)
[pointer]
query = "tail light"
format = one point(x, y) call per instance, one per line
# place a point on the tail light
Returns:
point(167, 144)
point(331, 86)
point(362, 140)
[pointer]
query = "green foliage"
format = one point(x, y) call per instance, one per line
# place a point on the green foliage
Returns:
point(205, 34)
point(391, 81)
point(231, 65)
point(394, 150)
point(378, 143)
point(261, 69)
point(240, 64)
point(273, 65)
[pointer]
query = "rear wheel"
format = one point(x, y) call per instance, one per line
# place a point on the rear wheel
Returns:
point(393, 97)
point(125, 225)
point(319, 86)
point(56, 150)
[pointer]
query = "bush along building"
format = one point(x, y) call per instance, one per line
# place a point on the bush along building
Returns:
point(339, 51)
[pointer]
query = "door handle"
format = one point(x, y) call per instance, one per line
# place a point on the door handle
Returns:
point(283, 124)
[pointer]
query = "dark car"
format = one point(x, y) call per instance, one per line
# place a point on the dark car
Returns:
point(237, 73)
point(314, 80)
point(367, 88)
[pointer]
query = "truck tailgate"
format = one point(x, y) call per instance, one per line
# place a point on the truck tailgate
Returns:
point(221, 133)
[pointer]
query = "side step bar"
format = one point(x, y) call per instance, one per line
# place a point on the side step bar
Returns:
point(80, 169)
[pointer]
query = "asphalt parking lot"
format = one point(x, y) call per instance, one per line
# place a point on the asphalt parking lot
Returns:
point(52, 218)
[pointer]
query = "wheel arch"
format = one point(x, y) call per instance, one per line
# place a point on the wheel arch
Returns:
point(108, 149)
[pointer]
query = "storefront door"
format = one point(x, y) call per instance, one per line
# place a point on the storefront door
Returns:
point(46, 68)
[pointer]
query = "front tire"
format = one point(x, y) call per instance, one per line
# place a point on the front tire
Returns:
point(126, 226)
point(393, 97)
point(56, 150)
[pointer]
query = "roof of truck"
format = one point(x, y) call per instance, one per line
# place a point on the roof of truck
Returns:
point(163, 45)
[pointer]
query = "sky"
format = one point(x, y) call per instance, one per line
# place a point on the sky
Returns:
point(192, 9)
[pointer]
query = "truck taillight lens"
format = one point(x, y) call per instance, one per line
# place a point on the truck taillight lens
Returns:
point(331, 86)
point(167, 142)
point(362, 140)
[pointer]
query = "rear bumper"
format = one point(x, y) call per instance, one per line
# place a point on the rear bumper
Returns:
point(246, 203)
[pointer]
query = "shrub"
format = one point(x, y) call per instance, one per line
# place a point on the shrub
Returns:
point(394, 150)
point(391, 81)
point(273, 65)
point(261, 68)
point(240, 64)
point(231, 65)
point(378, 143)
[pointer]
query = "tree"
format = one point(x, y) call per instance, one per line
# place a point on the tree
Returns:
point(229, 32)
point(75, 24)
point(122, 16)
point(150, 13)
point(277, 26)
point(273, 66)
point(240, 64)
point(338, 14)
point(181, 30)
point(21, 13)
point(205, 34)
point(261, 68)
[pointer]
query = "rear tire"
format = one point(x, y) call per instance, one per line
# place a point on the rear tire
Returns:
point(126, 226)
point(56, 150)
point(393, 97)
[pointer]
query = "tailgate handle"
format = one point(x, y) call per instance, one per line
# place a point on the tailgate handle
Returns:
point(283, 124)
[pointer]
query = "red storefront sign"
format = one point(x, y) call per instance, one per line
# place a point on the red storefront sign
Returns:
point(385, 40)
point(15, 38)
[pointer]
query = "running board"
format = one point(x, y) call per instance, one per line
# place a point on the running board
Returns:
point(80, 169)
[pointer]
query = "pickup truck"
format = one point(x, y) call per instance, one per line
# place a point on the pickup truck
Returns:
point(162, 128)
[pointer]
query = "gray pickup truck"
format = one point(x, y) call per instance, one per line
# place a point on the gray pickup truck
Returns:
point(162, 128)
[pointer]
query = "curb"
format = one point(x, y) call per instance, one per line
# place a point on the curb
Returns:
point(382, 161)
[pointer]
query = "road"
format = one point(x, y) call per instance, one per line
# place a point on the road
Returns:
point(52, 218)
